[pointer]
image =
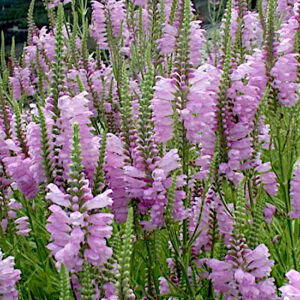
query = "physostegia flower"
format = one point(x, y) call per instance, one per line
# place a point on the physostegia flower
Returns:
point(295, 193)
point(9, 276)
point(76, 219)
point(291, 290)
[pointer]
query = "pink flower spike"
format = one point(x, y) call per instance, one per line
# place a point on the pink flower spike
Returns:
point(291, 290)
point(8, 278)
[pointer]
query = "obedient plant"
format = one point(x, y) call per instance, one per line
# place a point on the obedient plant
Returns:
point(9, 276)
point(144, 155)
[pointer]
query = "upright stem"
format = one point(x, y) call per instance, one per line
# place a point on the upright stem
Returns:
point(150, 267)
point(250, 192)
point(285, 188)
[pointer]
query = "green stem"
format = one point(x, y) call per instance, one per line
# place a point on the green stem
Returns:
point(150, 266)
point(250, 192)
point(284, 186)
point(286, 199)
point(29, 213)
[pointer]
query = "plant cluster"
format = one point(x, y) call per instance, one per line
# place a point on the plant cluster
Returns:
point(143, 157)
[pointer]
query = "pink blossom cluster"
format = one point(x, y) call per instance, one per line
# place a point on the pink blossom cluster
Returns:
point(195, 133)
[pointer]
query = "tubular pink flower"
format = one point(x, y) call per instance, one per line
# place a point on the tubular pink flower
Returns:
point(167, 43)
point(76, 110)
point(247, 285)
point(22, 226)
point(98, 27)
point(98, 252)
point(8, 278)
point(145, 19)
point(99, 201)
point(258, 262)
point(13, 206)
point(287, 34)
point(225, 224)
point(197, 40)
point(136, 184)
point(34, 144)
point(247, 278)
point(295, 193)
point(20, 171)
point(254, 72)
point(169, 162)
point(178, 15)
point(252, 31)
point(248, 85)
point(21, 83)
point(269, 212)
point(45, 41)
point(222, 276)
point(158, 192)
point(162, 109)
point(285, 81)
point(233, 24)
point(140, 2)
point(285, 7)
point(267, 289)
point(291, 290)
point(76, 225)
point(15, 83)
point(55, 3)
point(264, 136)
point(118, 17)
point(69, 254)
point(267, 178)
point(200, 113)
point(269, 183)
point(152, 192)
point(58, 227)
point(167, 10)
point(56, 196)
point(116, 177)
point(163, 286)
point(110, 291)
point(179, 211)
